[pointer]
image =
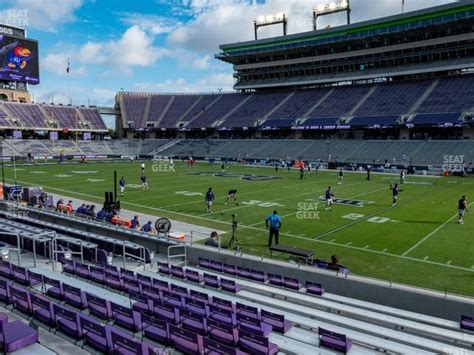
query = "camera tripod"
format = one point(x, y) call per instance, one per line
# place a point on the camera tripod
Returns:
point(233, 239)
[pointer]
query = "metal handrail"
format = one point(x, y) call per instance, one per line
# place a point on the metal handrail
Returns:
point(54, 249)
point(142, 257)
point(177, 255)
point(52, 233)
point(17, 249)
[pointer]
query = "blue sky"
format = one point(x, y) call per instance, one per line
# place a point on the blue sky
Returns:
point(154, 45)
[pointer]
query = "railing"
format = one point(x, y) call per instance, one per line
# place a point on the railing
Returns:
point(54, 249)
point(172, 256)
point(17, 249)
point(142, 256)
point(41, 238)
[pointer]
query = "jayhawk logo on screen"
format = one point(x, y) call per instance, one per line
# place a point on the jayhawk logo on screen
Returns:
point(18, 57)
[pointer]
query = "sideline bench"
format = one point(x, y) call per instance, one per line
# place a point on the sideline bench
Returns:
point(302, 253)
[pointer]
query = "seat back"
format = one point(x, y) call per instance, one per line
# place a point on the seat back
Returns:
point(71, 289)
point(123, 343)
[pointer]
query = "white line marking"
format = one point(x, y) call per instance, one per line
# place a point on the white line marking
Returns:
point(332, 241)
point(431, 234)
point(426, 258)
point(384, 251)
point(350, 243)
point(449, 262)
point(366, 247)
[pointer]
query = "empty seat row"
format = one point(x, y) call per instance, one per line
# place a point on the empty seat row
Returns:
point(260, 276)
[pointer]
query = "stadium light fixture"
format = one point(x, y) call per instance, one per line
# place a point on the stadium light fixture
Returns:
point(331, 8)
point(270, 20)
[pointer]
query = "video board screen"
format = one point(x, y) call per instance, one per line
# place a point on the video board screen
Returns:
point(19, 60)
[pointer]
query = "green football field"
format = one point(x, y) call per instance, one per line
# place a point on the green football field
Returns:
point(418, 242)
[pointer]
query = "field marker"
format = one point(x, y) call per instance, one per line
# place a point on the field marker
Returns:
point(385, 250)
point(350, 243)
point(449, 262)
point(366, 247)
point(426, 258)
point(332, 241)
point(431, 234)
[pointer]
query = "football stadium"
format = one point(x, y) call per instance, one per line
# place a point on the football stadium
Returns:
point(321, 206)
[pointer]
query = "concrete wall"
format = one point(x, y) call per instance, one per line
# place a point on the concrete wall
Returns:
point(427, 302)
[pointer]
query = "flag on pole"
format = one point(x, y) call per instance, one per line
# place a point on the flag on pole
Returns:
point(68, 66)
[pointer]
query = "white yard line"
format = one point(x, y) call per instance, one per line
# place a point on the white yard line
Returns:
point(431, 234)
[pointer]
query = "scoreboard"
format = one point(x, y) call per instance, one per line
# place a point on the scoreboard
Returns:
point(19, 58)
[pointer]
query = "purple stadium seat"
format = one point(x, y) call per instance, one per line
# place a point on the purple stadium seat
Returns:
point(230, 269)
point(152, 294)
point(254, 343)
point(17, 335)
point(142, 303)
point(5, 269)
point(204, 263)
point(216, 266)
point(20, 274)
point(99, 307)
point(277, 321)
point(5, 291)
point(213, 347)
point(163, 268)
point(258, 276)
point(178, 271)
point(467, 323)
point(222, 303)
point(144, 280)
point(34, 278)
point(155, 329)
point(211, 280)
point(193, 321)
point(113, 281)
point(333, 340)
point(69, 267)
point(127, 274)
point(243, 272)
point(97, 274)
point(179, 290)
point(82, 270)
point(3, 321)
point(200, 296)
point(161, 285)
point(95, 334)
point(167, 312)
point(248, 311)
point(125, 344)
point(314, 288)
point(222, 315)
point(56, 288)
point(276, 280)
point(172, 299)
point(130, 285)
point(222, 332)
point(67, 321)
point(75, 297)
point(185, 340)
point(43, 310)
point(194, 276)
point(230, 286)
point(195, 306)
point(292, 283)
point(253, 325)
point(126, 317)
point(21, 299)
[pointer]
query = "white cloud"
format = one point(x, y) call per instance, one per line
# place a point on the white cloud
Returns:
point(219, 22)
point(40, 14)
point(57, 64)
point(208, 83)
point(80, 95)
point(156, 25)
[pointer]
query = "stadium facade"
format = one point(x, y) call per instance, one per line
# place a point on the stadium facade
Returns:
point(401, 77)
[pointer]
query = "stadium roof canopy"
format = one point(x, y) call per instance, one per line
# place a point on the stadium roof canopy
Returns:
point(386, 25)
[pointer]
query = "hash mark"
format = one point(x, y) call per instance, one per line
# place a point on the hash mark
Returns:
point(385, 250)
point(449, 262)
point(426, 258)
point(332, 241)
point(350, 243)
point(366, 247)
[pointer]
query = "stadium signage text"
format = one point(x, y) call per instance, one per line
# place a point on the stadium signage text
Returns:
point(247, 177)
